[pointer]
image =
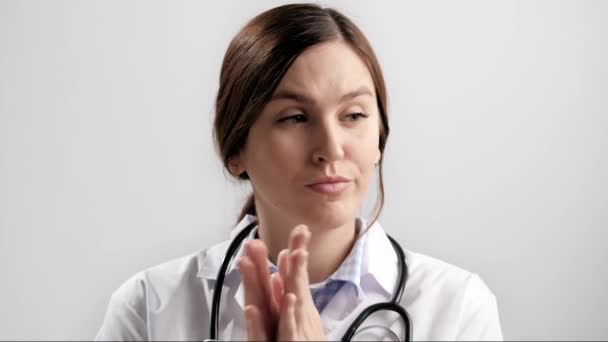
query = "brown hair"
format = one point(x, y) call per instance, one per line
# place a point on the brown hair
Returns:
point(258, 57)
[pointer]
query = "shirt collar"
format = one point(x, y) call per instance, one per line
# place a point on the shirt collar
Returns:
point(350, 269)
point(372, 256)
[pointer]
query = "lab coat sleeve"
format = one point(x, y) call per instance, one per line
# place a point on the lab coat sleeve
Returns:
point(125, 318)
point(479, 317)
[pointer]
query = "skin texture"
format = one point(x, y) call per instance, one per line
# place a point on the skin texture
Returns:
point(323, 120)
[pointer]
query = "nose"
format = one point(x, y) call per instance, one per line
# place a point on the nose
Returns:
point(329, 143)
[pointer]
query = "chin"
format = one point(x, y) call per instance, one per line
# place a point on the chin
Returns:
point(328, 217)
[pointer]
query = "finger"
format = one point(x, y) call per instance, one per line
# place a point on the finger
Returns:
point(258, 253)
point(255, 324)
point(299, 237)
point(250, 282)
point(296, 278)
point(298, 274)
point(283, 263)
point(297, 282)
point(277, 289)
point(287, 325)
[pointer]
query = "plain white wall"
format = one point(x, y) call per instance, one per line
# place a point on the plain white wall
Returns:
point(496, 161)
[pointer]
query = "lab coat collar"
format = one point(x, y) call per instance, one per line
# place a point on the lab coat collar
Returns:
point(213, 257)
point(379, 260)
point(212, 261)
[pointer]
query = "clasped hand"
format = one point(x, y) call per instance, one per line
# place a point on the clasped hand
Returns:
point(279, 306)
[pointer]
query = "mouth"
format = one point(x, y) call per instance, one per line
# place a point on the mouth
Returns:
point(330, 185)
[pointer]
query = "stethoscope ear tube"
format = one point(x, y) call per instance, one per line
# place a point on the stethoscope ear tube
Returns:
point(217, 292)
point(403, 271)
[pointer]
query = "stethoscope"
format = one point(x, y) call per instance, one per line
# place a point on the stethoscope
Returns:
point(393, 305)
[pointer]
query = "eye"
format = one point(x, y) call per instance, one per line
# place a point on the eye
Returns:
point(293, 119)
point(355, 116)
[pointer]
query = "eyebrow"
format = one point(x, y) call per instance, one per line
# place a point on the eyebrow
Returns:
point(290, 95)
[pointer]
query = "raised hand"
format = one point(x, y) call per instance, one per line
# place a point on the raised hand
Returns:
point(261, 307)
point(280, 306)
point(299, 319)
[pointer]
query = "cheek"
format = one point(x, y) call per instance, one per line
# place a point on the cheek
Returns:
point(271, 157)
point(367, 166)
point(365, 147)
point(274, 165)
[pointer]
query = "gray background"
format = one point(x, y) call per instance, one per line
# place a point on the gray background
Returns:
point(496, 162)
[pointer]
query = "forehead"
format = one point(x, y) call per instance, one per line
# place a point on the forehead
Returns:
point(327, 71)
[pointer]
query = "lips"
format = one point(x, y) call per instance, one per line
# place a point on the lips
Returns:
point(333, 185)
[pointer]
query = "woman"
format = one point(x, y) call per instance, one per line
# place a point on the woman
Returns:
point(301, 114)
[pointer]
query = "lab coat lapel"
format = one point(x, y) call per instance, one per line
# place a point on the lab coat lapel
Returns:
point(212, 260)
point(380, 262)
point(232, 302)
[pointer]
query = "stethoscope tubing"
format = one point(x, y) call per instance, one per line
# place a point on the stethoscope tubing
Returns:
point(393, 305)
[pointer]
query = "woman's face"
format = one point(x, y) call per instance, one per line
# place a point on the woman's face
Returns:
point(322, 121)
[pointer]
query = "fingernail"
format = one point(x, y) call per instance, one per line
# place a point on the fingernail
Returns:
point(301, 228)
point(306, 230)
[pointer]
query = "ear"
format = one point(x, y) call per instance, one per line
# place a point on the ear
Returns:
point(235, 166)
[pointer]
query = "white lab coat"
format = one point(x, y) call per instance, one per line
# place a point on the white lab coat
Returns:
point(172, 301)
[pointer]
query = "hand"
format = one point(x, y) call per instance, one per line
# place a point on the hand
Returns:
point(280, 305)
point(299, 319)
point(261, 305)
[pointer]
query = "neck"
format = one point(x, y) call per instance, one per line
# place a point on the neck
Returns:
point(328, 246)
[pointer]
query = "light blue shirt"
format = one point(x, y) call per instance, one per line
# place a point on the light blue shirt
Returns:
point(348, 273)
